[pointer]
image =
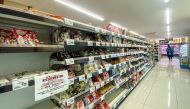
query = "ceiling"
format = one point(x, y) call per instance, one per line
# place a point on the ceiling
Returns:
point(147, 17)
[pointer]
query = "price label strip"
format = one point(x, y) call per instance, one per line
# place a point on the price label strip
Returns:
point(70, 42)
point(90, 43)
point(68, 22)
point(71, 81)
point(70, 101)
point(69, 61)
point(91, 58)
point(92, 89)
point(97, 43)
point(19, 84)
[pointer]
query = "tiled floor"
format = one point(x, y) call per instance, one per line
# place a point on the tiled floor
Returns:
point(165, 87)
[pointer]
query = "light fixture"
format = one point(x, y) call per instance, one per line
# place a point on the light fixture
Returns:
point(167, 1)
point(82, 10)
point(167, 16)
point(133, 32)
point(168, 28)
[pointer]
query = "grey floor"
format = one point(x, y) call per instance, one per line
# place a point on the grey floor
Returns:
point(165, 87)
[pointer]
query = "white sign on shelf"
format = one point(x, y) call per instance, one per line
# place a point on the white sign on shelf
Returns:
point(68, 22)
point(19, 84)
point(103, 43)
point(70, 101)
point(89, 75)
point(97, 29)
point(107, 68)
point(107, 56)
point(82, 78)
point(90, 43)
point(70, 42)
point(100, 71)
point(97, 86)
point(111, 79)
point(102, 83)
point(91, 58)
point(69, 61)
point(50, 84)
point(97, 43)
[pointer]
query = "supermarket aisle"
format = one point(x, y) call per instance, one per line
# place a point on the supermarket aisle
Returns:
point(165, 87)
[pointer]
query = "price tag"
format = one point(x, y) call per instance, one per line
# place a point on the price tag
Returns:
point(107, 68)
point(107, 56)
point(68, 22)
point(103, 43)
point(112, 33)
point(124, 95)
point(112, 55)
point(103, 56)
point(115, 105)
point(108, 80)
point(117, 86)
point(70, 101)
point(19, 84)
point(114, 66)
point(69, 61)
point(97, 29)
point(90, 43)
point(119, 64)
point(89, 75)
point(70, 42)
point(100, 71)
point(71, 81)
point(92, 89)
point(108, 44)
point(97, 86)
point(112, 44)
point(91, 58)
point(102, 97)
point(97, 43)
point(111, 79)
point(82, 78)
point(91, 106)
point(102, 84)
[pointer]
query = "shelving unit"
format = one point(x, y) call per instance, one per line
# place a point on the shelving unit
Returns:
point(156, 52)
point(122, 59)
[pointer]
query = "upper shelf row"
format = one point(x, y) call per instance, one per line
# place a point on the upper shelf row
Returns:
point(25, 16)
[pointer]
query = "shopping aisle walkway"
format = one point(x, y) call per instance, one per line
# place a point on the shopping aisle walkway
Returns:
point(165, 87)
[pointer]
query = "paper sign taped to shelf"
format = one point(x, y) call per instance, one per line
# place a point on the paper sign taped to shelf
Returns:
point(50, 84)
point(91, 58)
point(71, 81)
point(19, 84)
point(70, 42)
point(70, 101)
point(69, 61)
point(90, 43)
point(97, 43)
point(68, 22)
point(92, 89)
point(82, 78)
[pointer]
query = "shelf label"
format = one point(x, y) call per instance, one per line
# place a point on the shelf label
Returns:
point(108, 80)
point(89, 75)
point(103, 43)
point(69, 61)
point(107, 56)
point(114, 66)
point(19, 84)
point(50, 84)
point(90, 43)
point(82, 78)
point(117, 86)
point(115, 105)
point(108, 44)
point(100, 71)
point(92, 89)
point(91, 58)
point(71, 81)
point(112, 44)
point(97, 29)
point(97, 43)
point(102, 97)
point(70, 101)
point(102, 83)
point(68, 22)
point(107, 68)
point(103, 56)
point(111, 79)
point(97, 86)
point(70, 42)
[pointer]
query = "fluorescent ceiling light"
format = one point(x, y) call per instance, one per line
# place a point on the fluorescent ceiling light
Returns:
point(167, 16)
point(82, 10)
point(167, 1)
point(168, 28)
point(133, 32)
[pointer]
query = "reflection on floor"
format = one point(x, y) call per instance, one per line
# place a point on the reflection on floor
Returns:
point(165, 87)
